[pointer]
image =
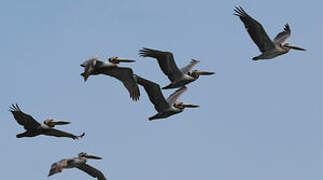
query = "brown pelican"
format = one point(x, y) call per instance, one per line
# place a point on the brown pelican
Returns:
point(94, 66)
point(178, 77)
point(78, 162)
point(269, 48)
point(34, 128)
point(164, 107)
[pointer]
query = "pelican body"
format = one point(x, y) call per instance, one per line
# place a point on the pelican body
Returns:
point(270, 49)
point(178, 77)
point(164, 107)
point(77, 162)
point(94, 66)
point(34, 128)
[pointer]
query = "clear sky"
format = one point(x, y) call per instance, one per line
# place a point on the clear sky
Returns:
point(257, 121)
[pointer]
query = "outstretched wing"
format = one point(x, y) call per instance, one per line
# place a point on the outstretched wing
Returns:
point(255, 30)
point(189, 67)
point(126, 76)
point(22, 118)
point(59, 133)
point(91, 171)
point(175, 95)
point(282, 36)
point(166, 62)
point(154, 93)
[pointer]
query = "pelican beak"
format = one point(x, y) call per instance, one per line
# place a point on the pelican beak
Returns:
point(190, 105)
point(205, 73)
point(295, 47)
point(53, 122)
point(115, 59)
point(60, 122)
point(125, 60)
point(92, 157)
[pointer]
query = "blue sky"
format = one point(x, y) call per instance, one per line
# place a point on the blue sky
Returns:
point(257, 120)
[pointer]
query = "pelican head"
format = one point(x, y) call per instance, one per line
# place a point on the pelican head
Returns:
point(49, 122)
point(196, 73)
point(83, 154)
point(289, 46)
point(117, 60)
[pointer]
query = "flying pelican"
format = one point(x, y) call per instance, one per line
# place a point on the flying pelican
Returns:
point(178, 77)
point(34, 128)
point(164, 107)
point(269, 48)
point(94, 66)
point(78, 162)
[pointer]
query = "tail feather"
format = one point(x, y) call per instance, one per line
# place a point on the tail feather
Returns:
point(20, 135)
point(55, 168)
point(85, 76)
point(255, 58)
point(25, 134)
point(154, 117)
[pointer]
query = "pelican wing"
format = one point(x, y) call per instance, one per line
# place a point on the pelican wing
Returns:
point(59, 133)
point(175, 95)
point(282, 36)
point(166, 62)
point(189, 67)
point(154, 93)
point(91, 171)
point(255, 30)
point(126, 76)
point(22, 118)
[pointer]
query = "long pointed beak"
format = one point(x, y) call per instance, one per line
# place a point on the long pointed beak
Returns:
point(60, 122)
point(114, 59)
point(53, 123)
point(190, 105)
point(205, 73)
point(125, 60)
point(92, 157)
point(296, 48)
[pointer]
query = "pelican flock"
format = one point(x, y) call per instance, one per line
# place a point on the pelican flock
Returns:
point(179, 78)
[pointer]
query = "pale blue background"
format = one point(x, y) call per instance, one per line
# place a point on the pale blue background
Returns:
point(258, 120)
